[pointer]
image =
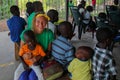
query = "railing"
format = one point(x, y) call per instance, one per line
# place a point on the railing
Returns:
point(47, 4)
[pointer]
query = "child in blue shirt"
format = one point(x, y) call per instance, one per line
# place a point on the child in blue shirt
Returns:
point(16, 25)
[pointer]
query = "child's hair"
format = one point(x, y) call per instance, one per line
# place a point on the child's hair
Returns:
point(89, 8)
point(83, 3)
point(29, 6)
point(38, 6)
point(53, 14)
point(88, 49)
point(102, 15)
point(30, 34)
point(63, 28)
point(103, 34)
point(116, 2)
point(15, 10)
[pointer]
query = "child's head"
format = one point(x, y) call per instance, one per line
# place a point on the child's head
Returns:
point(53, 14)
point(65, 29)
point(116, 2)
point(89, 8)
point(15, 10)
point(83, 3)
point(30, 39)
point(102, 15)
point(39, 23)
point(29, 4)
point(84, 53)
point(38, 6)
point(104, 35)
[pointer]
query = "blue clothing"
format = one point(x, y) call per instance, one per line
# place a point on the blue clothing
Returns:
point(62, 50)
point(16, 25)
point(28, 75)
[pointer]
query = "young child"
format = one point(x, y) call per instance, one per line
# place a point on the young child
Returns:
point(80, 67)
point(53, 14)
point(62, 49)
point(102, 62)
point(30, 9)
point(30, 51)
point(16, 25)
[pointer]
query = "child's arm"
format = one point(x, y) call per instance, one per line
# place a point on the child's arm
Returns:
point(26, 67)
point(21, 58)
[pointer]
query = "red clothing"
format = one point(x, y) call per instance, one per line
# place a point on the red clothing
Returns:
point(93, 2)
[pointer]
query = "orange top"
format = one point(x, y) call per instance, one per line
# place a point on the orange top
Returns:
point(37, 51)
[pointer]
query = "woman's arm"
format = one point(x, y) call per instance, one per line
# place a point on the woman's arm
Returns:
point(22, 43)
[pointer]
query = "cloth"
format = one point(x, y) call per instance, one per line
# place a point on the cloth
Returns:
point(20, 69)
point(86, 16)
point(103, 64)
point(93, 2)
point(37, 51)
point(80, 70)
point(30, 20)
point(62, 50)
point(25, 75)
point(38, 72)
point(22, 74)
point(52, 70)
point(81, 11)
point(51, 26)
point(44, 39)
point(16, 25)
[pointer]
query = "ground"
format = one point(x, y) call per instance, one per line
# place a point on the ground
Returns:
point(8, 63)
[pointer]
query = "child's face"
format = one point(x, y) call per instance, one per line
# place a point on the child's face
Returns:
point(82, 54)
point(40, 23)
point(29, 42)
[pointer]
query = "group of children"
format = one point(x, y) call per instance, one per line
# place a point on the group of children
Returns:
point(39, 45)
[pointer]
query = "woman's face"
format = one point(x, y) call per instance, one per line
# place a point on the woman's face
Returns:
point(40, 23)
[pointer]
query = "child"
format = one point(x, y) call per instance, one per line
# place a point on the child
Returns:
point(103, 63)
point(30, 51)
point(80, 67)
point(87, 18)
point(62, 49)
point(30, 9)
point(16, 25)
point(53, 14)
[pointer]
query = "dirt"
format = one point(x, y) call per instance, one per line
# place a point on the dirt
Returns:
point(3, 25)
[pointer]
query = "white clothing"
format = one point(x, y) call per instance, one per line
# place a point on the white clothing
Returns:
point(38, 72)
point(51, 26)
point(81, 10)
point(86, 16)
point(21, 69)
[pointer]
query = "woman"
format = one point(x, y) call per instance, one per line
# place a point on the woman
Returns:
point(43, 35)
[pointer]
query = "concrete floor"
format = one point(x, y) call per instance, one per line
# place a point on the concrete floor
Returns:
point(8, 63)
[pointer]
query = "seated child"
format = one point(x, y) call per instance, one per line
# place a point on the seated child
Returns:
point(29, 53)
point(62, 49)
point(80, 67)
point(103, 64)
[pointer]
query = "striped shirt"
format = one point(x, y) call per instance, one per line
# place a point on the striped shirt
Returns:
point(62, 50)
point(103, 64)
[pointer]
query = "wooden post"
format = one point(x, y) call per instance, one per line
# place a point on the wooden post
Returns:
point(67, 1)
point(16, 2)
